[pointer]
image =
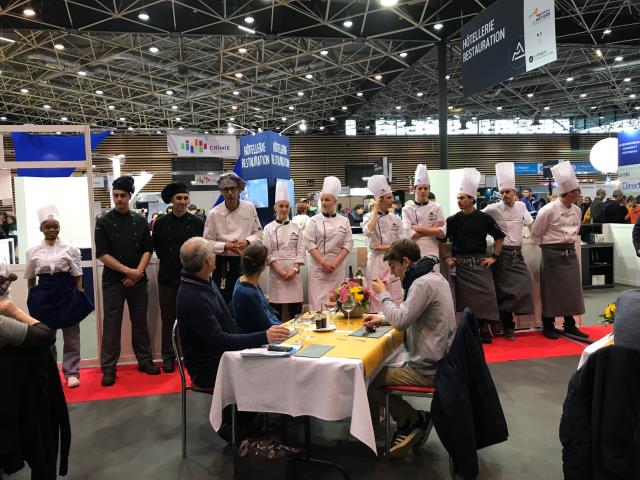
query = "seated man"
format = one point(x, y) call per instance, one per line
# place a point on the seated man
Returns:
point(206, 327)
point(20, 330)
point(427, 317)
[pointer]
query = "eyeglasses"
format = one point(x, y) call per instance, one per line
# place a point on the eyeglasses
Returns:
point(228, 189)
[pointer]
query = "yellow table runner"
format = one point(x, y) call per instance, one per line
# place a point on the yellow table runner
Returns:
point(372, 351)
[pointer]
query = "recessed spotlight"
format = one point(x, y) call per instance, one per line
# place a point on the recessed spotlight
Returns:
point(58, 46)
point(324, 52)
point(529, 95)
point(249, 20)
point(242, 50)
point(122, 119)
point(633, 95)
point(347, 24)
point(404, 54)
point(498, 108)
point(174, 107)
point(322, 128)
point(308, 76)
point(144, 16)
point(619, 58)
point(178, 119)
point(291, 107)
point(29, 12)
point(180, 128)
point(344, 107)
point(154, 49)
point(99, 92)
point(447, 77)
point(301, 94)
point(234, 107)
point(332, 119)
point(238, 75)
point(606, 31)
point(111, 107)
point(582, 95)
point(398, 107)
point(438, 26)
point(627, 79)
point(236, 92)
point(420, 94)
point(64, 119)
point(46, 106)
point(359, 94)
point(130, 129)
point(169, 92)
point(569, 79)
point(82, 73)
point(24, 90)
point(378, 77)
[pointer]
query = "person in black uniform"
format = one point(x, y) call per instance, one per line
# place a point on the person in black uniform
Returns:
point(169, 233)
point(124, 245)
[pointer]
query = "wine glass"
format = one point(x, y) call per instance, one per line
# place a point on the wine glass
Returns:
point(330, 305)
point(348, 305)
point(298, 324)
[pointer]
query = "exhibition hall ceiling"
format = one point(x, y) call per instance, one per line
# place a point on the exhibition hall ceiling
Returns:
point(159, 65)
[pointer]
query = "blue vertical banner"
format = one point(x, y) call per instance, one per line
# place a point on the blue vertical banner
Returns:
point(265, 155)
point(629, 161)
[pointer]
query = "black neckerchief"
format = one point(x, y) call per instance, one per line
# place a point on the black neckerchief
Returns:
point(282, 222)
point(416, 270)
point(421, 204)
point(329, 215)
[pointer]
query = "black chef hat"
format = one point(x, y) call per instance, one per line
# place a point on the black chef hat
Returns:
point(125, 183)
point(170, 190)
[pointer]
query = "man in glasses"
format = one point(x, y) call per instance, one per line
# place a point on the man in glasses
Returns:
point(231, 226)
point(556, 229)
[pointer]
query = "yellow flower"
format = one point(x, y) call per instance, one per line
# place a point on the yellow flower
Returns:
point(358, 297)
point(607, 312)
point(354, 289)
point(613, 308)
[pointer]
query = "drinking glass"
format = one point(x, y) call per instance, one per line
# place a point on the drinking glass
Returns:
point(348, 305)
point(298, 324)
point(330, 306)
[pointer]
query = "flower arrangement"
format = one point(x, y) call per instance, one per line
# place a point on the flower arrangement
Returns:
point(609, 314)
point(360, 294)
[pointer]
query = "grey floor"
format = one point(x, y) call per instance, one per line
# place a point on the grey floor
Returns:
point(139, 437)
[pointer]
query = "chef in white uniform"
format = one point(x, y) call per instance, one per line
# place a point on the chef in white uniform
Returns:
point(328, 240)
point(381, 229)
point(424, 222)
point(285, 242)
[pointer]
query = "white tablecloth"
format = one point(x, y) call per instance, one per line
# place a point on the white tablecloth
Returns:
point(326, 388)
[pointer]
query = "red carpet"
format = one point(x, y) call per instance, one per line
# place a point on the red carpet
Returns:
point(131, 383)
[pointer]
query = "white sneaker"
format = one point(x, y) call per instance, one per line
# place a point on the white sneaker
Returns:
point(73, 382)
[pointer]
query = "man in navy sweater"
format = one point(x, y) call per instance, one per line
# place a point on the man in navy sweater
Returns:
point(206, 326)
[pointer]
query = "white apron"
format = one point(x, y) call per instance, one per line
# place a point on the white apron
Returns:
point(321, 283)
point(286, 246)
point(426, 216)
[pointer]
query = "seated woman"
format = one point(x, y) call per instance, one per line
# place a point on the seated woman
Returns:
point(249, 305)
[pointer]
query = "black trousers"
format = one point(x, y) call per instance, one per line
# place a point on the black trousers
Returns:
point(507, 320)
point(548, 322)
point(114, 296)
point(294, 309)
point(225, 275)
point(167, 299)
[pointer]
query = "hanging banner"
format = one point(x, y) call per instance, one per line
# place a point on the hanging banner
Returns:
point(629, 161)
point(221, 146)
point(505, 40)
point(265, 155)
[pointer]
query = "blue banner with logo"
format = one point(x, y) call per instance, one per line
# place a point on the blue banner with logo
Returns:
point(629, 147)
point(265, 155)
point(528, 168)
point(584, 167)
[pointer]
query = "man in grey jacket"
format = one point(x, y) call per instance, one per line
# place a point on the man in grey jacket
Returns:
point(427, 316)
point(597, 206)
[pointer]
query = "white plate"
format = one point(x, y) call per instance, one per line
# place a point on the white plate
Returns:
point(326, 329)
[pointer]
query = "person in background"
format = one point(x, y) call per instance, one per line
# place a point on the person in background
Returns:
point(300, 218)
point(634, 213)
point(193, 209)
point(424, 221)
point(12, 229)
point(468, 230)
point(427, 317)
point(231, 227)
point(614, 209)
point(586, 204)
point(285, 244)
point(510, 274)
point(249, 305)
point(328, 241)
point(528, 199)
point(124, 245)
point(381, 229)
point(304, 203)
point(370, 203)
point(58, 299)
point(169, 233)
point(152, 223)
point(397, 208)
point(356, 215)
point(556, 230)
point(431, 196)
point(596, 210)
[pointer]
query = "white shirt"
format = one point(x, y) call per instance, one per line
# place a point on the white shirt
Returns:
point(510, 220)
point(241, 224)
point(328, 234)
point(284, 241)
point(556, 223)
point(388, 229)
point(59, 257)
point(424, 216)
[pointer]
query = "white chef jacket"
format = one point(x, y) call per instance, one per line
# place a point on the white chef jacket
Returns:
point(329, 235)
point(424, 215)
point(286, 246)
point(240, 224)
point(556, 223)
point(59, 257)
point(510, 220)
point(301, 220)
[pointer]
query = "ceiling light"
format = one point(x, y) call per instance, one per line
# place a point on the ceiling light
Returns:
point(3, 118)
point(607, 31)
point(324, 52)
point(99, 92)
point(284, 119)
point(321, 128)
point(398, 107)
point(180, 128)
point(569, 79)
point(242, 50)
point(122, 119)
point(627, 79)
point(378, 77)
point(256, 109)
point(249, 20)
point(344, 107)
point(234, 107)
point(582, 95)
point(547, 108)
point(598, 53)
point(236, 92)
point(46, 106)
point(474, 118)
point(303, 127)
point(529, 95)
point(601, 117)
point(291, 107)
point(58, 46)
point(238, 75)
point(158, 132)
point(367, 127)
point(301, 94)
point(359, 94)
point(169, 92)
point(230, 130)
point(24, 90)
point(82, 73)
point(619, 58)
point(633, 95)
point(130, 129)
point(498, 108)
point(232, 119)
point(64, 119)
point(593, 108)
point(174, 107)
point(347, 24)
point(447, 77)
point(420, 94)
point(154, 49)
point(404, 54)
point(388, 3)
point(111, 107)
point(332, 118)
point(178, 119)
point(438, 26)
point(637, 107)
point(8, 40)
point(245, 29)
point(308, 76)
point(206, 132)
point(29, 12)
point(144, 16)
point(450, 107)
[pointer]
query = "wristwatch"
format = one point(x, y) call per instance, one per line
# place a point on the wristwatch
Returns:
point(494, 256)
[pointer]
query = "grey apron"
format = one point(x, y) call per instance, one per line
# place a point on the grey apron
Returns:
point(560, 282)
point(513, 282)
point(475, 288)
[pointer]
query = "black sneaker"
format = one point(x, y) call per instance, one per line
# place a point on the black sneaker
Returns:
point(108, 377)
point(426, 426)
point(149, 368)
point(406, 438)
point(550, 333)
point(169, 365)
point(573, 330)
point(486, 337)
